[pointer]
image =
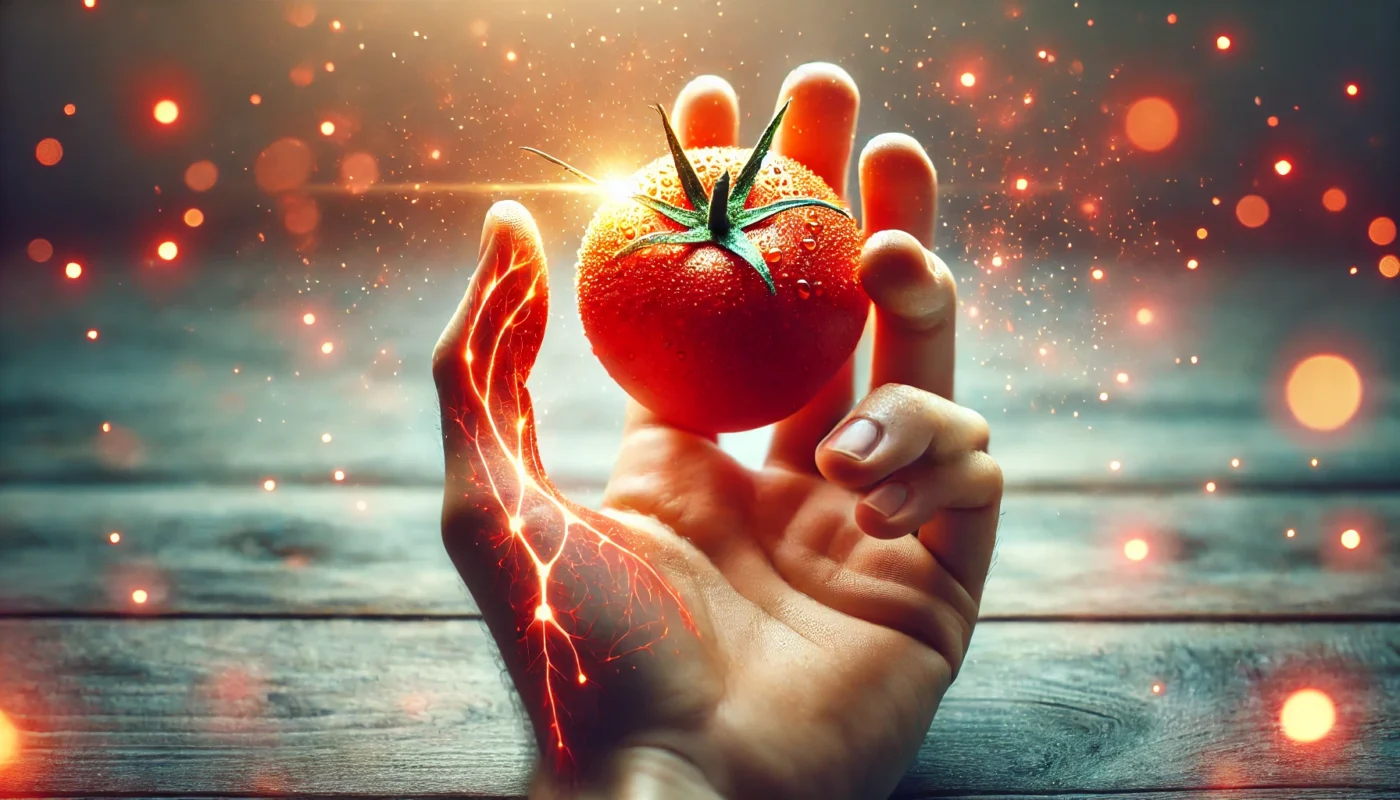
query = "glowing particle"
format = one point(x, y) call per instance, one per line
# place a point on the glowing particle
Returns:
point(92, 334)
point(1210, 486)
point(1235, 463)
point(435, 155)
point(300, 213)
point(1323, 392)
point(106, 427)
point(1135, 549)
point(1192, 263)
point(1381, 231)
point(1222, 43)
point(996, 261)
point(1352, 90)
point(39, 250)
point(1272, 121)
point(269, 485)
point(194, 217)
point(510, 56)
point(301, 75)
point(967, 79)
point(1103, 397)
point(89, 3)
point(255, 99)
point(1390, 266)
point(1290, 533)
point(1351, 539)
point(308, 318)
point(70, 110)
point(114, 537)
point(327, 347)
point(299, 13)
point(582, 679)
point(1096, 274)
point(1121, 377)
point(1156, 688)
point(1194, 359)
point(338, 474)
point(1171, 19)
point(1144, 316)
point(543, 612)
point(1334, 199)
point(48, 152)
point(335, 25)
point(1040, 54)
point(1215, 201)
point(330, 66)
point(1283, 166)
point(1252, 211)
point(166, 112)
point(327, 128)
point(1115, 465)
point(1307, 715)
point(201, 176)
point(167, 250)
point(1313, 463)
point(1021, 184)
point(1202, 233)
point(1151, 124)
point(325, 438)
point(139, 596)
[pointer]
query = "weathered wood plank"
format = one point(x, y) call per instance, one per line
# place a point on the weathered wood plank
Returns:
point(313, 551)
point(223, 383)
point(350, 706)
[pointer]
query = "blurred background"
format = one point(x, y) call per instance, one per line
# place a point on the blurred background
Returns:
point(232, 231)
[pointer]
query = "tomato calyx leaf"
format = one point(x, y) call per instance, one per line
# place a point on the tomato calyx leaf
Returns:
point(720, 218)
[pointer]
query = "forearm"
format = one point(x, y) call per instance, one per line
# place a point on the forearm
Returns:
point(634, 773)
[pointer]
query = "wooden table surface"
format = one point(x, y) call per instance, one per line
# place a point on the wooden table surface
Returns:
point(315, 640)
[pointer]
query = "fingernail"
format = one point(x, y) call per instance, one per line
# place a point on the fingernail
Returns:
point(888, 498)
point(856, 438)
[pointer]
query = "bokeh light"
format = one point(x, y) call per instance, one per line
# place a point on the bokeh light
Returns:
point(283, 165)
point(358, 172)
point(299, 13)
point(1334, 199)
point(327, 347)
point(73, 270)
point(1352, 90)
point(201, 176)
point(1307, 715)
point(114, 537)
point(48, 152)
point(92, 334)
point(1390, 266)
point(1145, 316)
point(167, 250)
point(1283, 166)
point(255, 99)
point(338, 475)
point(1324, 392)
point(194, 217)
point(9, 741)
point(1151, 124)
point(1222, 43)
point(308, 318)
point(327, 128)
point(1135, 549)
point(69, 109)
point(39, 250)
point(1351, 538)
point(140, 596)
point(1202, 233)
point(269, 485)
point(301, 75)
point(300, 213)
point(1381, 230)
point(968, 79)
point(1252, 211)
point(166, 112)
point(1021, 184)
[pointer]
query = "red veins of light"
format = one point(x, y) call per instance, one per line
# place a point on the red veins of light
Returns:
point(563, 541)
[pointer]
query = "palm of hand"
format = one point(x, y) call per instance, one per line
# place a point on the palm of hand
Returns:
point(764, 625)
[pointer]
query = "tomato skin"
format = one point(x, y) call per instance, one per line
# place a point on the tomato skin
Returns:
point(692, 331)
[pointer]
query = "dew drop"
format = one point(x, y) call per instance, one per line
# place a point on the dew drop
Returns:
point(804, 289)
point(821, 290)
point(773, 255)
point(809, 244)
point(814, 225)
point(629, 232)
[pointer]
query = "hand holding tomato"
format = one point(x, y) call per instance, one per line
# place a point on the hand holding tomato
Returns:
point(714, 630)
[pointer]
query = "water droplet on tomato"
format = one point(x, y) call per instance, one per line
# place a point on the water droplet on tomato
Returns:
point(809, 244)
point(814, 225)
point(680, 355)
point(804, 289)
point(667, 182)
point(821, 290)
point(773, 255)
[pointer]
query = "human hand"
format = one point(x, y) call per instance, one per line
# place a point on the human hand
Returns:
point(712, 629)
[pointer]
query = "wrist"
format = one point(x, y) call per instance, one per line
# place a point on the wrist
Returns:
point(633, 773)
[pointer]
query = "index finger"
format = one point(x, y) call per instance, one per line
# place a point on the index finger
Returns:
point(820, 127)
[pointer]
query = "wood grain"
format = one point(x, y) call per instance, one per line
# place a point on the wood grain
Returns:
point(361, 707)
point(314, 552)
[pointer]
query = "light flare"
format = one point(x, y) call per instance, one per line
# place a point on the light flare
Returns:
point(166, 112)
point(1135, 549)
point(1307, 716)
point(1324, 392)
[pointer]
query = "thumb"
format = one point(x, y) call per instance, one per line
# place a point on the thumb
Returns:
point(485, 354)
